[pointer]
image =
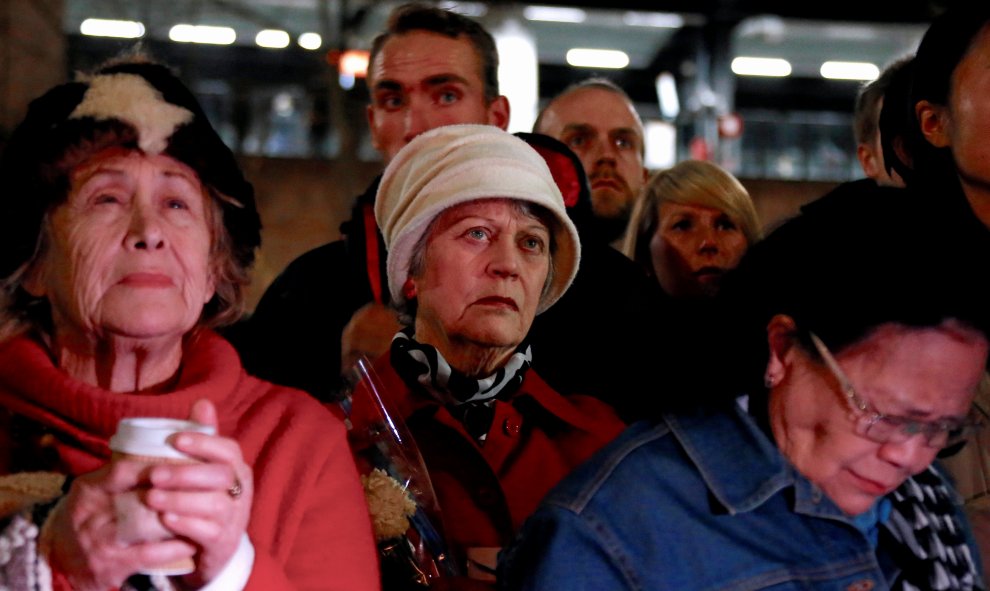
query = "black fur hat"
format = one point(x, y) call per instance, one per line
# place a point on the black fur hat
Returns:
point(135, 104)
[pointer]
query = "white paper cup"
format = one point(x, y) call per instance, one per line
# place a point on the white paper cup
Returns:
point(145, 439)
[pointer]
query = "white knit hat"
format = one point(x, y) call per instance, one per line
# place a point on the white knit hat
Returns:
point(459, 163)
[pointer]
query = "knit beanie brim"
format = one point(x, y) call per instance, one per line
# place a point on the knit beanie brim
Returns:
point(456, 164)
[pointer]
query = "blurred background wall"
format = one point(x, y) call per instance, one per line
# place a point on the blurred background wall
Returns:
point(32, 54)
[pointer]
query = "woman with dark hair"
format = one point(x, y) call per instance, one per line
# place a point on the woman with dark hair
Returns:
point(936, 128)
point(128, 232)
point(858, 348)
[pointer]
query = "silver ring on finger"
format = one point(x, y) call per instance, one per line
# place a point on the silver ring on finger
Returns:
point(235, 489)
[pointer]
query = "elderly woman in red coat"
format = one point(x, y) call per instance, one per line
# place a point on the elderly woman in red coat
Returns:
point(128, 230)
point(479, 244)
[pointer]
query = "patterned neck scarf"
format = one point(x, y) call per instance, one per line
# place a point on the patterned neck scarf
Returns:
point(929, 539)
point(471, 400)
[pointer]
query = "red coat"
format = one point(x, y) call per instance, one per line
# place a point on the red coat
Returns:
point(309, 522)
point(485, 492)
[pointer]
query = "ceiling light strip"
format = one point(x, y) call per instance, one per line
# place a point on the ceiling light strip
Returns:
point(761, 66)
point(99, 27)
point(657, 20)
point(554, 14)
point(310, 41)
point(202, 34)
point(836, 70)
point(611, 59)
point(272, 39)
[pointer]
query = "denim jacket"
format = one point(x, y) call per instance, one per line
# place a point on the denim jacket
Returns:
point(699, 501)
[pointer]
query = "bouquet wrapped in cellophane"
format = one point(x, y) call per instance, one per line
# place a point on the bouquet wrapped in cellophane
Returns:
point(404, 509)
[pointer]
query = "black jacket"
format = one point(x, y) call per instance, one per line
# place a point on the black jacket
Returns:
point(598, 339)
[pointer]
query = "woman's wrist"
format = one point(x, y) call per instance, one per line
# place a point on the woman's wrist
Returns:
point(235, 574)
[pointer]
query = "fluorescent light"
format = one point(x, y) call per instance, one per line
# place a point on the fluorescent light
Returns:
point(98, 27)
point(658, 20)
point(202, 34)
point(283, 104)
point(310, 41)
point(597, 58)
point(670, 105)
point(518, 68)
point(850, 70)
point(554, 14)
point(761, 66)
point(660, 139)
point(272, 39)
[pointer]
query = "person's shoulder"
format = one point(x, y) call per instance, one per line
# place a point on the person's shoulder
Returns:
point(606, 278)
point(317, 259)
point(853, 205)
point(310, 275)
point(893, 221)
point(615, 472)
point(584, 412)
point(851, 196)
point(602, 259)
point(283, 405)
point(854, 215)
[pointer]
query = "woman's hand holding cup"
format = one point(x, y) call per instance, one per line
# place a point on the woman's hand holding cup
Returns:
point(207, 503)
point(175, 500)
point(84, 544)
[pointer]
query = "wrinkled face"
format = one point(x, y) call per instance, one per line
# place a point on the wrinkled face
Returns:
point(606, 134)
point(924, 374)
point(129, 250)
point(484, 270)
point(693, 247)
point(422, 80)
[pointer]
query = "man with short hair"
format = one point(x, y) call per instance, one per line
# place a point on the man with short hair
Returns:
point(596, 119)
point(430, 67)
point(866, 126)
point(330, 306)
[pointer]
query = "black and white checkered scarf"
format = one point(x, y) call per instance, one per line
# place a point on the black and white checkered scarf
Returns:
point(423, 368)
point(927, 540)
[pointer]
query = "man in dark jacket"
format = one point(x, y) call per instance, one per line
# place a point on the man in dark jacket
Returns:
point(597, 119)
point(430, 68)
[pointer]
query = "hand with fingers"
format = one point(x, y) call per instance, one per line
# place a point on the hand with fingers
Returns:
point(85, 546)
point(207, 503)
point(197, 510)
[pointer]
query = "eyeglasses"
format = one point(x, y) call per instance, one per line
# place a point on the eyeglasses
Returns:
point(880, 428)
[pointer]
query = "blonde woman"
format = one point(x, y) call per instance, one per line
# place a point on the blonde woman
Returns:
point(691, 225)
